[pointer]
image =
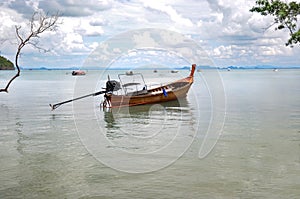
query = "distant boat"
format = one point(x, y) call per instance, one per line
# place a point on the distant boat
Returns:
point(78, 72)
point(155, 71)
point(275, 69)
point(137, 93)
point(129, 72)
point(174, 71)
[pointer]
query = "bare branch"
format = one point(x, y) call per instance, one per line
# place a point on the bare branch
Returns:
point(37, 26)
point(39, 48)
point(31, 22)
point(267, 28)
point(18, 34)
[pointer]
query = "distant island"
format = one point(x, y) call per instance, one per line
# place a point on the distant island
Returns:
point(200, 67)
point(5, 64)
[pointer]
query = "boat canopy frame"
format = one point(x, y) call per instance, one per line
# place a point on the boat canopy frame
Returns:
point(137, 81)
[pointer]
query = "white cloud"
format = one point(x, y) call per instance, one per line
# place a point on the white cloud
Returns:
point(223, 52)
point(73, 42)
point(170, 11)
point(86, 29)
point(144, 40)
point(9, 19)
point(224, 28)
point(75, 7)
point(98, 22)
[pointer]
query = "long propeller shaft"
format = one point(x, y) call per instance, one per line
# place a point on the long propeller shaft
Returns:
point(55, 106)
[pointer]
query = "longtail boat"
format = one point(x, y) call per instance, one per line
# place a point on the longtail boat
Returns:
point(137, 93)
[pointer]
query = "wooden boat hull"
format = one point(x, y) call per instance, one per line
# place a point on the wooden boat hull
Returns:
point(169, 92)
point(119, 101)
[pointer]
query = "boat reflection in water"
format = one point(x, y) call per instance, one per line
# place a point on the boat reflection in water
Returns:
point(148, 128)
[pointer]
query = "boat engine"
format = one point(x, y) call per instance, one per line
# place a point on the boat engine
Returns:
point(112, 85)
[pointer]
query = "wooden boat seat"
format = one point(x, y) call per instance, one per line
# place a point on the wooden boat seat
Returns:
point(131, 84)
point(136, 93)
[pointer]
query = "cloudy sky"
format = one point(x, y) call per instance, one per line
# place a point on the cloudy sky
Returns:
point(225, 29)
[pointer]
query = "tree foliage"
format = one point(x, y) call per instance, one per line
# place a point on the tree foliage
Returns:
point(39, 23)
point(285, 16)
point(6, 64)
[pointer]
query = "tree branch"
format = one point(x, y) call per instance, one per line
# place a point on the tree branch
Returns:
point(285, 15)
point(39, 23)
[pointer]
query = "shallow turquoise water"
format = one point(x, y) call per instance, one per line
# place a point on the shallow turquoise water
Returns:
point(43, 154)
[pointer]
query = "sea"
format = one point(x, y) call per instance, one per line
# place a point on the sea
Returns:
point(235, 135)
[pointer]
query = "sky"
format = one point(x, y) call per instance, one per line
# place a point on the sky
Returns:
point(227, 32)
